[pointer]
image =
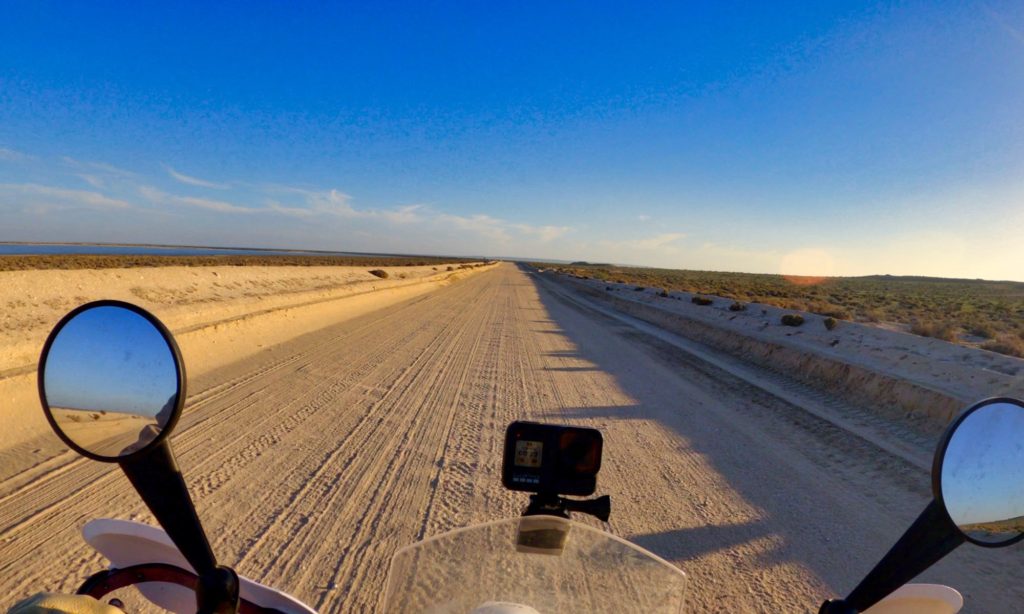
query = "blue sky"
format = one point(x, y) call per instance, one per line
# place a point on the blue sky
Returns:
point(110, 359)
point(820, 137)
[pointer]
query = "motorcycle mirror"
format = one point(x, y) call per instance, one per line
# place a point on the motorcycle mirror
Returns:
point(112, 386)
point(978, 496)
point(111, 380)
point(978, 475)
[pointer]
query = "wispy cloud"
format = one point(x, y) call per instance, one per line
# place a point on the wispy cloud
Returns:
point(408, 214)
point(221, 206)
point(84, 165)
point(92, 180)
point(501, 230)
point(189, 180)
point(480, 224)
point(544, 233)
point(10, 155)
point(34, 195)
point(337, 203)
point(659, 241)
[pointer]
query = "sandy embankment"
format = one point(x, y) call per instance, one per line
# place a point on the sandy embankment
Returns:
point(927, 381)
point(218, 314)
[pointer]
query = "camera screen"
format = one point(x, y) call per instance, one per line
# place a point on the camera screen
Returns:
point(551, 458)
point(528, 453)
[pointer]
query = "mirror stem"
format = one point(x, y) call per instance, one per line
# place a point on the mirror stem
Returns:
point(155, 475)
point(931, 537)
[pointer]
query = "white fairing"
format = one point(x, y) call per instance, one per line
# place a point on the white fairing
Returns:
point(920, 599)
point(127, 543)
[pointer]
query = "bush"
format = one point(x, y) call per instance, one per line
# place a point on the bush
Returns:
point(937, 330)
point(830, 323)
point(663, 294)
point(639, 289)
point(737, 306)
point(701, 300)
point(451, 268)
point(1006, 345)
point(381, 273)
point(873, 315)
point(983, 330)
point(792, 319)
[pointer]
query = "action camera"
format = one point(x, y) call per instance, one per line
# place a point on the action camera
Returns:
point(551, 459)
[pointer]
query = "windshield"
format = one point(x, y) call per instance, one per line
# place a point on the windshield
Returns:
point(593, 572)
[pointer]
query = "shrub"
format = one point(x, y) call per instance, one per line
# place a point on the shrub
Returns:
point(937, 330)
point(608, 288)
point(639, 289)
point(737, 306)
point(983, 330)
point(663, 294)
point(792, 319)
point(701, 300)
point(451, 268)
point(380, 273)
point(1006, 345)
point(830, 323)
point(873, 315)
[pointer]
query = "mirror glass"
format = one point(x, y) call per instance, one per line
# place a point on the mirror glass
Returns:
point(982, 477)
point(110, 381)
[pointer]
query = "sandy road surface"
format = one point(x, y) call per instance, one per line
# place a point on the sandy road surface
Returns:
point(313, 462)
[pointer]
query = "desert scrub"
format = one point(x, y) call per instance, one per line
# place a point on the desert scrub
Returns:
point(830, 323)
point(737, 306)
point(995, 306)
point(983, 330)
point(639, 289)
point(701, 300)
point(1006, 345)
point(936, 330)
point(380, 273)
point(663, 294)
point(792, 319)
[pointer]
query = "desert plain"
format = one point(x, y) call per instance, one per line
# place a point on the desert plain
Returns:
point(334, 416)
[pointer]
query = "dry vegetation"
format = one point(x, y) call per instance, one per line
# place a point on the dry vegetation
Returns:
point(84, 261)
point(986, 314)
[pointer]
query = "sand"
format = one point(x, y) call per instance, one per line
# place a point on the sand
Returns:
point(313, 461)
point(218, 315)
point(922, 380)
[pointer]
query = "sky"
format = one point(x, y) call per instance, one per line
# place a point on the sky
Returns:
point(111, 359)
point(817, 138)
point(982, 470)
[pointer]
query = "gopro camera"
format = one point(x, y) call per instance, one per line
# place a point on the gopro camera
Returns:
point(551, 459)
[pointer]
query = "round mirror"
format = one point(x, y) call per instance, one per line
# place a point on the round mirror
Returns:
point(111, 380)
point(980, 472)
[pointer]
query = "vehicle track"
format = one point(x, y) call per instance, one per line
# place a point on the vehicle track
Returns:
point(312, 462)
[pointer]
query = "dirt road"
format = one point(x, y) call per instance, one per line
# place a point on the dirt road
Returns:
point(311, 463)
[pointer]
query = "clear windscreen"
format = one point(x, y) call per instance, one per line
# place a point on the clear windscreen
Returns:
point(592, 571)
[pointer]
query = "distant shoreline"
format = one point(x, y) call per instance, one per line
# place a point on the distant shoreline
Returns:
point(33, 262)
point(264, 250)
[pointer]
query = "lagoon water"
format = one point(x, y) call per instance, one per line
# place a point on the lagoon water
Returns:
point(11, 249)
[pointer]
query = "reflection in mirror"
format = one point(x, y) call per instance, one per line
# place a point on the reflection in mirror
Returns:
point(110, 381)
point(982, 479)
